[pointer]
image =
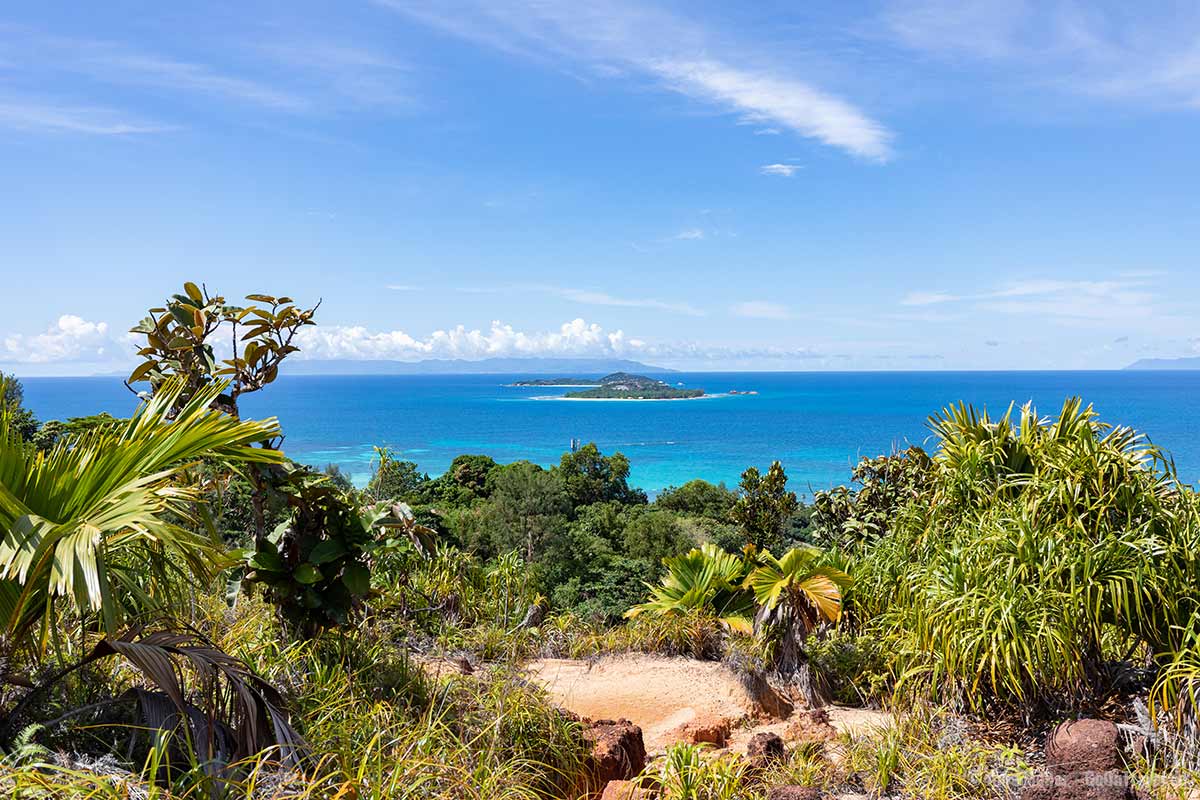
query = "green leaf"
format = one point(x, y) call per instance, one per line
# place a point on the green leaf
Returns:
point(307, 574)
point(193, 291)
point(357, 579)
point(141, 372)
point(267, 561)
point(326, 551)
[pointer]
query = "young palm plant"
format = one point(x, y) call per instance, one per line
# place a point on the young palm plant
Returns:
point(794, 594)
point(706, 579)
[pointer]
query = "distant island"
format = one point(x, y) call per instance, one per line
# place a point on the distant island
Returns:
point(618, 386)
point(560, 382)
point(483, 366)
point(1184, 363)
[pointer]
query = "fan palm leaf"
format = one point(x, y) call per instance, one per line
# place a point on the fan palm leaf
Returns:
point(99, 519)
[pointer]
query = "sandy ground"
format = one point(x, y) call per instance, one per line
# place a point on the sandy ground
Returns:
point(660, 694)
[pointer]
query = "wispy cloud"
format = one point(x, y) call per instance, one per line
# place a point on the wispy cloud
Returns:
point(403, 287)
point(760, 309)
point(591, 297)
point(615, 39)
point(689, 234)
point(594, 298)
point(1150, 56)
point(303, 76)
point(52, 117)
point(782, 170)
point(116, 64)
point(1052, 298)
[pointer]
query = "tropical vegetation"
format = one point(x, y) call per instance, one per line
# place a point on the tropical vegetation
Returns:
point(188, 613)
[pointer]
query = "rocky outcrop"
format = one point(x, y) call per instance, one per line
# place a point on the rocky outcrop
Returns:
point(704, 730)
point(618, 752)
point(1086, 745)
point(764, 749)
point(1083, 760)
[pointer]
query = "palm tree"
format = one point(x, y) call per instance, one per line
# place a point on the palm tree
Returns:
point(99, 519)
point(706, 579)
point(794, 594)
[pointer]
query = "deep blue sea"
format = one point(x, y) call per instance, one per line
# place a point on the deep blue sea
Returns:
point(817, 424)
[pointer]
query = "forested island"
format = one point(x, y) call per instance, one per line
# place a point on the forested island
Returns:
point(618, 386)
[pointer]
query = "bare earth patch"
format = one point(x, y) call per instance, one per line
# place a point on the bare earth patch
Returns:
point(663, 694)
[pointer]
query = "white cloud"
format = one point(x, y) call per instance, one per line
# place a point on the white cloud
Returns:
point(760, 309)
point(71, 338)
point(616, 40)
point(690, 233)
point(787, 102)
point(574, 338)
point(403, 287)
point(577, 339)
point(782, 170)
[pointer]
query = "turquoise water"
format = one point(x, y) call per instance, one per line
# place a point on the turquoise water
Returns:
point(817, 424)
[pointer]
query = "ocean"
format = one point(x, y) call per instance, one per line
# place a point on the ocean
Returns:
point(817, 424)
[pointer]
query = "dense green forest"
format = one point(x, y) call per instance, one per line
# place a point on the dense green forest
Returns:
point(187, 613)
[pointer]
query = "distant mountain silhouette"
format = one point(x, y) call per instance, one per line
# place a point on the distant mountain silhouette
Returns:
point(1187, 362)
point(486, 366)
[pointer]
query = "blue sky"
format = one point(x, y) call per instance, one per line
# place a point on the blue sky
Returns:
point(920, 184)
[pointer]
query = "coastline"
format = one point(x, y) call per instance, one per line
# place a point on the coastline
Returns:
point(628, 399)
point(553, 385)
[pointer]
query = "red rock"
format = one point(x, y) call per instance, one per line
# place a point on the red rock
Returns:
point(1086, 745)
point(618, 751)
point(704, 730)
point(764, 749)
point(626, 790)
point(1085, 785)
point(794, 793)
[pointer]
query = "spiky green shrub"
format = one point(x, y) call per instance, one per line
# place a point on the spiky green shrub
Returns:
point(1044, 550)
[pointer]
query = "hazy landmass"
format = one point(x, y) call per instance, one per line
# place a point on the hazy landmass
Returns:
point(486, 366)
point(1184, 363)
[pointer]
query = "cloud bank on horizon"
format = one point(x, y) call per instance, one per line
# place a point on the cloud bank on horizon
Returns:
point(895, 184)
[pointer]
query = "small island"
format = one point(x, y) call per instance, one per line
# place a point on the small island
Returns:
point(624, 386)
point(559, 382)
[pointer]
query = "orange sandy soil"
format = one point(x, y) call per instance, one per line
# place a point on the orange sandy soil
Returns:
point(660, 694)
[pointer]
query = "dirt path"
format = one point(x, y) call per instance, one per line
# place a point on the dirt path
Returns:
point(660, 694)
